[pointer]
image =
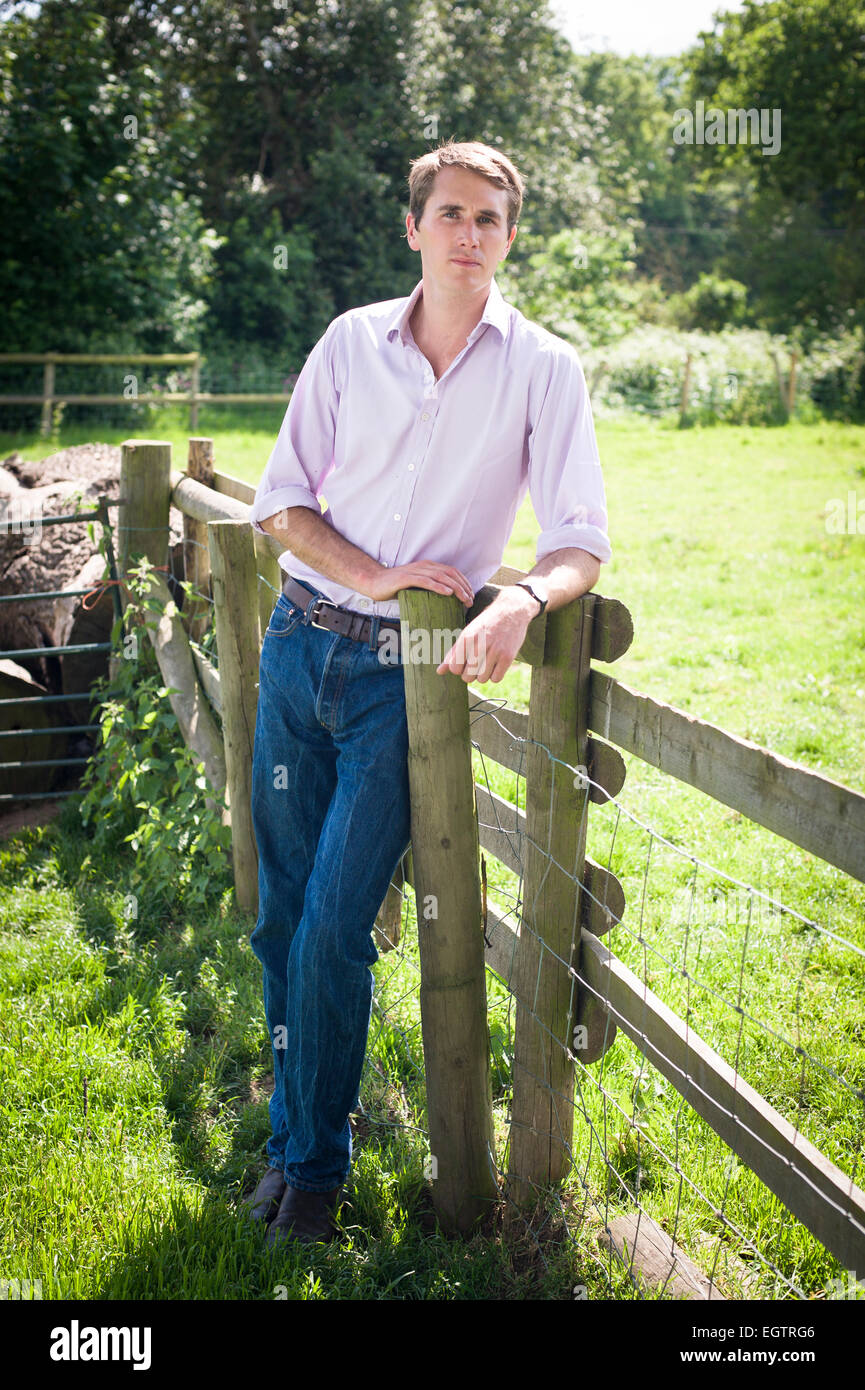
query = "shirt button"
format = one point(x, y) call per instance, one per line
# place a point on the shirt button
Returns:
point(424, 417)
point(397, 517)
point(411, 468)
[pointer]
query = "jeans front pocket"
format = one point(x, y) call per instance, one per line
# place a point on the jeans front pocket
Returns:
point(284, 618)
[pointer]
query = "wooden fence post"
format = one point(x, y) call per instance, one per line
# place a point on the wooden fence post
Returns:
point(194, 389)
point(556, 815)
point(597, 375)
point(196, 554)
point(787, 389)
point(791, 383)
point(142, 517)
point(47, 396)
point(686, 391)
point(445, 858)
point(145, 498)
point(232, 567)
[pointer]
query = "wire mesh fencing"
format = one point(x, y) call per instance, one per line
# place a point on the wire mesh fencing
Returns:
point(655, 1201)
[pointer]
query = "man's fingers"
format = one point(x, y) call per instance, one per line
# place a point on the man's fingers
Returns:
point(441, 579)
point(444, 583)
point(479, 655)
point(470, 666)
point(453, 660)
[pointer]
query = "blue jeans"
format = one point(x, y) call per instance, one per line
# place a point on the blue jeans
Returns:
point(330, 805)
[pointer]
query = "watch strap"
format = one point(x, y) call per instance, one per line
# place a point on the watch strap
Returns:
point(529, 587)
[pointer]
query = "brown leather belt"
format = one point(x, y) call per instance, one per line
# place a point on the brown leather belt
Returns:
point(345, 621)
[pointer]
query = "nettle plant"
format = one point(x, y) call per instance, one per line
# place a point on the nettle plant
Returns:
point(145, 787)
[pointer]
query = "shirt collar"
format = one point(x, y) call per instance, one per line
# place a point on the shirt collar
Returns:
point(495, 313)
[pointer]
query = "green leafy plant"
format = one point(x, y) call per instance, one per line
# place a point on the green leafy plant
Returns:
point(145, 787)
point(57, 423)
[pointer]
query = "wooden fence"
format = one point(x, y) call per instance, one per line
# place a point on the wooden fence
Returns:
point(51, 395)
point(580, 714)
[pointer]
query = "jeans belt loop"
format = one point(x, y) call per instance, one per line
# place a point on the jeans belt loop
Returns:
point(309, 607)
point(374, 625)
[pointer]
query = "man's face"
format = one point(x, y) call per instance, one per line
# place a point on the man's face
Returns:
point(463, 233)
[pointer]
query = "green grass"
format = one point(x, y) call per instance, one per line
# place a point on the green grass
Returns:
point(131, 1068)
point(746, 613)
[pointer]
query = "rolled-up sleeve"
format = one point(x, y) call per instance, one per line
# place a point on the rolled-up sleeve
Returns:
point(302, 456)
point(565, 479)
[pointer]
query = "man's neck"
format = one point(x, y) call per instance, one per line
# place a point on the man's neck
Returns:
point(443, 317)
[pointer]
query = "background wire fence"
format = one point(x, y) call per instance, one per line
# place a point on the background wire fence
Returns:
point(734, 379)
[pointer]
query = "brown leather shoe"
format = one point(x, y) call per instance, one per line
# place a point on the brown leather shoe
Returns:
point(304, 1216)
point(264, 1202)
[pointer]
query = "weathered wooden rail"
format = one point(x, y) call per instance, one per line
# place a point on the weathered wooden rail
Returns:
point(51, 395)
point(564, 979)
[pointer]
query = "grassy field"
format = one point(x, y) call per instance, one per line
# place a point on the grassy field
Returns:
point(133, 1074)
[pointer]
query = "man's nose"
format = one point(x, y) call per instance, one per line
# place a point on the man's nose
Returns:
point(470, 232)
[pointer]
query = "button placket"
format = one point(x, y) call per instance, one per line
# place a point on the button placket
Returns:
point(403, 488)
point(421, 438)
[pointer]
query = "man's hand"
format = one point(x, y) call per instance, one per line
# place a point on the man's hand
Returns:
point(421, 574)
point(486, 649)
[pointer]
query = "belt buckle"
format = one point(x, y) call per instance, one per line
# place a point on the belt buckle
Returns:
point(320, 604)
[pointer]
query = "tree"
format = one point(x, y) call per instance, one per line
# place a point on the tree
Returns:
point(803, 219)
point(102, 246)
point(680, 227)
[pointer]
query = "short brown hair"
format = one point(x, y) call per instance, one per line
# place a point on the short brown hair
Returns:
point(478, 159)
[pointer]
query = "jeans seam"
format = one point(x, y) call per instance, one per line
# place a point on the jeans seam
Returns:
point(302, 1186)
point(319, 697)
point(343, 672)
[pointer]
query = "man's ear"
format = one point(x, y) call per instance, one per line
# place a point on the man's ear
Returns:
point(510, 243)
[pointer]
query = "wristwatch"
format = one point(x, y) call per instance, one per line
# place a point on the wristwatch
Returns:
point(527, 584)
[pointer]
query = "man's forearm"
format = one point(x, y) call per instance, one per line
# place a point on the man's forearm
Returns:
point(307, 535)
point(567, 574)
point(498, 632)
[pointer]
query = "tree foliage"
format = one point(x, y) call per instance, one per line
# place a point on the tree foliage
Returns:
point(229, 174)
point(802, 223)
point(102, 243)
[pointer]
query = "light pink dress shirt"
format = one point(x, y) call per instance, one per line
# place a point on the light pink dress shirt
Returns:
point(417, 469)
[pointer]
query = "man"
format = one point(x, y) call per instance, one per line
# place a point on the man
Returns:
point(423, 420)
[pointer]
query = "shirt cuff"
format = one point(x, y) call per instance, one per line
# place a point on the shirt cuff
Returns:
point(586, 537)
point(278, 500)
